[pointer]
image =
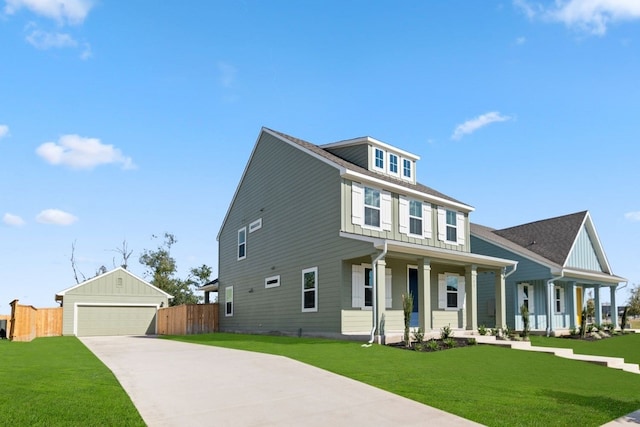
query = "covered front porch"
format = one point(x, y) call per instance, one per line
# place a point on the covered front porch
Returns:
point(443, 284)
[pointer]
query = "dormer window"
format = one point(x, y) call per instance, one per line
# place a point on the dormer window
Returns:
point(379, 159)
point(393, 164)
point(406, 168)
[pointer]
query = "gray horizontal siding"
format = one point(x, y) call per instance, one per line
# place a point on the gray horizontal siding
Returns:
point(357, 154)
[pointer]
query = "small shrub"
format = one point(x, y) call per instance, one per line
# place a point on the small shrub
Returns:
point(573, 331)
point(418, 346)
point(623, 320)
point(506, 332)
point(446, 332)
point(524, 313)
point(472, 341)
point(418, 335)
point(482, 330)
point(583, 323)
point(607, 327)
point(433, 345)
point(495, 332)
point(449, 342)
point(407, 308)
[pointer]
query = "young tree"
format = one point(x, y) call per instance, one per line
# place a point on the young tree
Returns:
point(634, 301)
point(161, 266)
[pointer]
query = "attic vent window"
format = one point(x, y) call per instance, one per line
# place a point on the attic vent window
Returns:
point(119, 282)
point(255, 225)
point(272, 282)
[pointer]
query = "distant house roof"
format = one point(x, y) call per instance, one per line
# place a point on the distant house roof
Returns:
point(548, 242)
point(60, 294)
point(349, 165)
point(211, 286)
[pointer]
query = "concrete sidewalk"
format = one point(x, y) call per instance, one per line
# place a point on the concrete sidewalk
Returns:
point(180, 384)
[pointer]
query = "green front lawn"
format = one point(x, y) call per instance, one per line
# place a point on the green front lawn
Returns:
point(626, 346)
point(490, 385)
point(58, 381)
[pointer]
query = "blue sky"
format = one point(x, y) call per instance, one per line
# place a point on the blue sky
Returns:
point(123, 120)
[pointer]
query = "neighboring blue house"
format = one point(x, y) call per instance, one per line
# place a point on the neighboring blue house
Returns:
point(560, 261)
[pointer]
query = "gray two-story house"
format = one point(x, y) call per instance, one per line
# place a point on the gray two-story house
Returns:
point(325, 240)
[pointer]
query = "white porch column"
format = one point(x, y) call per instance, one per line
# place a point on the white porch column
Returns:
point(596, 304)
point(471, 295)
point(549, 309)
point(380, 299)
point(577, 306)
point(500, 306)
point(424, 294)
point(614, 307)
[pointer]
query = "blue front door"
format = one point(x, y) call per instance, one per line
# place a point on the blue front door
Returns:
point(413, 288)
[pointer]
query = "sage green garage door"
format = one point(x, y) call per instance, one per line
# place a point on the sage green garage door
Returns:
point(120, 320)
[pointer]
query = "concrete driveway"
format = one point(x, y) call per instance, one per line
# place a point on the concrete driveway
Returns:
point(180, 384)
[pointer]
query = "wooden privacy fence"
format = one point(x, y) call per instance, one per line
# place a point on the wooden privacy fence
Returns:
point(28, 322)
point(188, 319)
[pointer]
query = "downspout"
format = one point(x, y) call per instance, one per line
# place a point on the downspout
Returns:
point(515, 267)
point(374, 303)
point(550, 301)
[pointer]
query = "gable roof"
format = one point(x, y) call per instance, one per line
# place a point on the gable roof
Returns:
point(549, 242)
point(63, 292)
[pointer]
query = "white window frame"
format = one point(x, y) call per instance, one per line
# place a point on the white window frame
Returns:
point(414, 217)
point(313, 270)
point(407, 165)
point(404, 220)
point(255, 225)
point(228, 301)
point(242, 244)
point(396, 164)
point(530, 297)
point(443, 292)
point(377, 150)
point(372, 207)
point(358, 287)
point(558, 300)
point(358, 207)
point(442, 226)
point(272, 282)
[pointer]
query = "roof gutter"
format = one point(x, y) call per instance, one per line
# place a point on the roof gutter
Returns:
point(375, 294)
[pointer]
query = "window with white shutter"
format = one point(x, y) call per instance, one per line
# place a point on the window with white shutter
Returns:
point(451, 291)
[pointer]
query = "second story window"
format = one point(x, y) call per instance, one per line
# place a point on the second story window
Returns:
point(242, 243)
point(393, 164)
point(406, 168)
point(415, 217)
point(379, 160)
point(452, 226)
point(371, 207)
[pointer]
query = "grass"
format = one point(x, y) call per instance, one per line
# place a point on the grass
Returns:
point(487, 384)
point(626, 346)
point(59, 382)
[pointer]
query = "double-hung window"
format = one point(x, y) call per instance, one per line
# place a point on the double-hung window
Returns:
point(371, 207)
point(379, 159)
point(362, 295)
point(406, 168)
point(451, 291)
point(368, 287)
point(310, 289)
point(228, 301)
point(559, 299)
point(242, 243)
point(525, 297)
point(452, 226)
point(415, 217)
point(393, 164)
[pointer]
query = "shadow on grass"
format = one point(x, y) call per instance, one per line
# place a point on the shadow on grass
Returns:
point(605, 405)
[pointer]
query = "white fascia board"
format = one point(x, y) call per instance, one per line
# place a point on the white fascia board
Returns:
point(551, 266)
point(373, 141)
point(594, 277)
point(356, 176)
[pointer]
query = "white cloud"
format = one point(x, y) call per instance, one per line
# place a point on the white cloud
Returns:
point(56, 217)
point(13, 220)
point(591, 16)
point(227, 73)
point(4, 131)
point(521, 41)
point(44, 40)
point(633, 216)
point(473, 125)
point(79, 152)
point(71, 12)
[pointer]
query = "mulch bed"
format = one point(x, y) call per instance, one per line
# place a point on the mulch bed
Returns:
point(459, 342)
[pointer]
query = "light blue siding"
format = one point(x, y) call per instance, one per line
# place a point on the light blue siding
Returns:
point(583, 254)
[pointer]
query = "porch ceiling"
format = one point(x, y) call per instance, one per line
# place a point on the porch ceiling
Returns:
point(592, 277)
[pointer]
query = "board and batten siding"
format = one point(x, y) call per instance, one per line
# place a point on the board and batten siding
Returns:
point(528, 271)
point(297, 197)
point(583, 255)
point(394, 234)
point(106, 291)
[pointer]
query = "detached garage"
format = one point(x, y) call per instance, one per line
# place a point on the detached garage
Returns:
point(114, 303)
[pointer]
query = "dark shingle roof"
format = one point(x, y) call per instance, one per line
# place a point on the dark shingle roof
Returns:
point(346, 164)
point(551, 238)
